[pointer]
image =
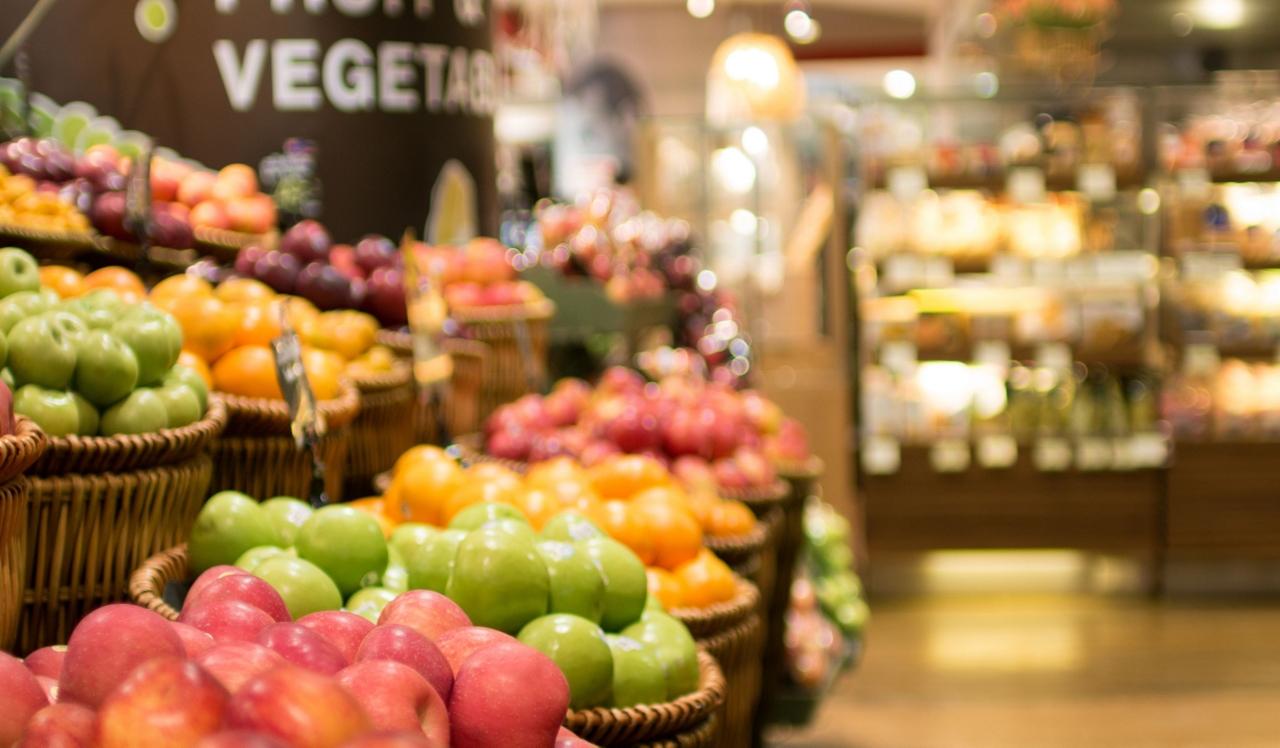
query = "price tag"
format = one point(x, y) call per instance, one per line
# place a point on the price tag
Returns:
point(306, 420)
point(1093, 453)
point(1025, 184)
point(997, 451)
point(906, 183)
point(1097, 182)
point(1052, 454)
point(899, 357)
point(137, 198)
point(1195, 184)
point(1148, 450)
point(949, 456)
point(881, 455)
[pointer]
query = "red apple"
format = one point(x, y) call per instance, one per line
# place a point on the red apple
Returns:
point(384, 296)
point(240, 739)
point(236, 663)
point(618, 380)
point(397, 698)
point(22, 696)
point(390, 740)
point(507, 696)
point(244, 588)
point(46, 661)
point(345, 630)
point(728, 474)
point(210, 214)
point(252, 215)
point(501, 294)
point(597, 452)
point(307, 240)
point(566, 739)
point(754, 466)
point(227, 620)
point(302, 647)
point(790, 444)
point(513, 443)
point(107, 645)
point(374, 251)
point(196, 188)
point(429, 612)
point(60, 726)
point(165, 703)
point(193, 639)
point(343, 258)
point(167, 178)
point(636, 428)
point(722, 431)
point(214, 573)
point(485, 262)
point(299, 707)
point(458, 644)
point(50, 688)
point(694, 472)
point(463, 294)
point(406, 646)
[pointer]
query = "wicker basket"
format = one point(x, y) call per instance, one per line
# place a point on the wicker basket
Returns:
point(656, 724)
point(97, 508)
point(226, 245)
point(740, 551)
point(506, 330)
point(383, 429)
point(17, 452)
point(147, 583)
point(257, 455)
point(462, 405)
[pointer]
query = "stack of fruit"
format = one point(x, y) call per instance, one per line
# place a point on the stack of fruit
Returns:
point(91, 364)
point(708, 433)
point(478, 275)
point(25, 204)
point(239, 672)
point(559, 591)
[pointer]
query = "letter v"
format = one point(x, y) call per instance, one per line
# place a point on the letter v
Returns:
point(241, 81)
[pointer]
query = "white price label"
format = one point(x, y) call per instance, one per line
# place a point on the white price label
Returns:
point(949, 456)
point(881, 455)
point(1025, 184)
point(1052, 454)
point(1097, 182)
point(906, 183)
point(1093, 453)
point(997, 451)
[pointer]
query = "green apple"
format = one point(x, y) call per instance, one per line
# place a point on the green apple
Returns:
point(481, 514)
point(50, 296)
point(19, 306)
point(652, 602)
point(287, 515)
point(99, 309)
point(430, 564)
point(638, 675)
point(39, 353)
point(625, 584)
point(6, 376)
point(229, 524)
point(569, 527)
point(89, 416)
point(71, 326)
point(410, 535)
point(303, 586)
point(150, 333)
point(141, 412)
point(499, 580)
point(578, 647)
point(180, 404)
point(347, 544)
point(106, 369)
point(18, 272)
point(577, 585)
point(396, 576)
point(4, 351)
point(54, 411)
point(674, 647)
point(250, 559)
point(370, 601)
point(183, 375)
point(515, 527)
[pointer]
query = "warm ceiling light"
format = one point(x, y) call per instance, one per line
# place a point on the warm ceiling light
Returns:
point(798, 24)
point(1220, 14)
point(753, 76)
point(700, 8)
point(899, 84)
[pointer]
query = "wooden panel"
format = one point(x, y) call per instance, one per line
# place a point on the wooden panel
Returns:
point(918, 509)
point(1224, 500)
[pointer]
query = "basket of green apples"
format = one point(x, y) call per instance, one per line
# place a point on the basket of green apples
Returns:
point(126, 467)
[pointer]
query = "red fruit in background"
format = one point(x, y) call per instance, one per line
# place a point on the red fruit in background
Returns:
point(458, 644)
point(694, 472)
point(485, 262)
point(530, 413)
point(227, 620)
point(390, 740)
point(722, 431)
point(240, 739)
point(307, 240)
point(464, 294)
point(408, 647)
point(374, 251)
point(510, 444)
point(211, 574)
point(278, 270)
point(60, 726)
point(752, 463)
point(169, 228)
point(398, 699)
point(166, 178)
point(597, 452)
point(46, 661)
point(636, 428)
point(429, 612)
point(790, 444)
point(196, 188)
point(502, 294)
point(325, 286)
point(384, 296)
point(108, 645)
point(8, 425)
point(236, 663)
point(564, 406)
point(763, 414)
point(528, 715)
point(194, 640)
point(683, 433)
point(620, 380)
point(545, 445)
point(20, 697)
point(210, 214)
point(345, 630)
point(245, 588)
point(252, 215)
point(108, 216)
point(165, 703)
point(247, 259)
point(302, 647)
point(299, 707)
point(728, 474)
point(343, 257)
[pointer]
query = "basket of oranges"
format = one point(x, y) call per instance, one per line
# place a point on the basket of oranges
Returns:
point(228, 332)
point(462, 403)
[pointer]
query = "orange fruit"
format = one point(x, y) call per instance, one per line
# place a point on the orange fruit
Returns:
point(208, 325)
point(677, 536)
point(67, 283)
point(666, 587)
point(495, 472)
point(391, 505)
point(424, 489)
point(249, 371)
point(624, 476)
point(324, 370)
point(182, 286)
point(349, 333)
point(673, 496)
point(197, 364)
point(244, 290)
point(418, 454)
point(116, 278)
point(373, 506)
point(626, 524)
point(556, 469)
point(301, 313)
point(259, 323)
point(730, 518)
point(707, 580)
point(702, 504)
point(538, 506)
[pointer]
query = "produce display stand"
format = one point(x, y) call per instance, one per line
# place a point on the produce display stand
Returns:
point(462, 403)
point(516, 360)
point(16, 455)
point(383, 428)
point(742, 552)
point(98, 508)
point(1222, 501)
point(226, 245)
point(257, 454)
point(47, 244)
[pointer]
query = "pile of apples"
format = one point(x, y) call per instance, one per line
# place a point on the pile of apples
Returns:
point(23, 203)
point(708, 433)
point(238, 672)
point(477, 275)
point(91, 364)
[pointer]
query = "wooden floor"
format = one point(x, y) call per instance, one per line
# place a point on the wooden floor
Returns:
point(1049, 671)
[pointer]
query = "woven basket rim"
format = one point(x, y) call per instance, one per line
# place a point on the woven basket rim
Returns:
point(532, 310)
point(746, 543)
point(80, 237)
point(20, 450)
point(714, 619)
point(226, 238)
point(640, 723)
point(146, 583)
point(758, 497)
point(811, 468)
point(337, 412)
point(400, 375)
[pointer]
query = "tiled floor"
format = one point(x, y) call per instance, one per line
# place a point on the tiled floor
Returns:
point(1049, 671)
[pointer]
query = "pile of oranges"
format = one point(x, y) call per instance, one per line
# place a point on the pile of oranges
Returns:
point(631, 497)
